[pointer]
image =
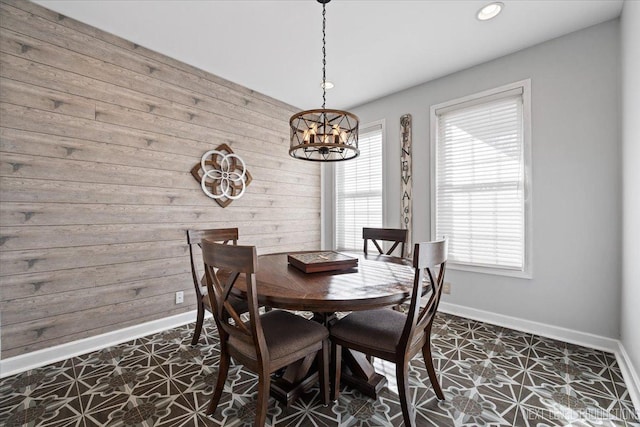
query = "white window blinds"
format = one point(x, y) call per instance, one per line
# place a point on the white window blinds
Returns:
point(480, 180)
point(359, 190)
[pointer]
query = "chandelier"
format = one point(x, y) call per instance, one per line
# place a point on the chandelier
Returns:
point(324, 135)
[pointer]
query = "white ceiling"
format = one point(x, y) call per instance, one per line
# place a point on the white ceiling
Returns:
point(374, 47)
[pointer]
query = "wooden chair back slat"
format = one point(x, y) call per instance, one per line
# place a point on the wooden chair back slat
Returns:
point(427, 313)
point(433, 257)
point(194, 237)
point(239, 259)
point(395, 235)
point(221, 305)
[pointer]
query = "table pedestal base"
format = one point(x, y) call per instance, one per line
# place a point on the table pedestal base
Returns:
point(370, 387)
point(295, 380)
point(358, 372)
point(286, 392)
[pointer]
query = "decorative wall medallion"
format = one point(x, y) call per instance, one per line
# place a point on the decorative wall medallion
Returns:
point(406, 178)
point(222, 174)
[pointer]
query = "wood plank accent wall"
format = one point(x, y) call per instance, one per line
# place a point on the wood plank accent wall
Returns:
point(97, 137)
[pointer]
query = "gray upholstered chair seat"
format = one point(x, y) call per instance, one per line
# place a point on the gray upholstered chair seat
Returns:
point(379, 329)
point(285, 333)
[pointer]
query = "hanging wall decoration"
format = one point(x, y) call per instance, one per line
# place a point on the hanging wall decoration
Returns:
point(222, 175)
point(406, 178)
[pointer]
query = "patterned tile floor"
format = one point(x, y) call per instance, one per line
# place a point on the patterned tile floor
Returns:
point(491, 376)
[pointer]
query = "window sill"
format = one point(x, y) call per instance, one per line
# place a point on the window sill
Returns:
point(490, 270)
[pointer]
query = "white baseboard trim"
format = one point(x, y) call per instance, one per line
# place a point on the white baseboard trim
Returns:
point(631, 378)
point(17, 364)
point(555, 332)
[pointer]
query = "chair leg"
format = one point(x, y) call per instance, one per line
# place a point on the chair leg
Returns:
point(264, 383)
point(402, 377)
point(199, 321)
point(336, 368)
point(223, 371)
point(428, 362)
point(323, 372)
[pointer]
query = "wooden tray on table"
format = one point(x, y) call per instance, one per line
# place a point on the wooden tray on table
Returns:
point(314, 262)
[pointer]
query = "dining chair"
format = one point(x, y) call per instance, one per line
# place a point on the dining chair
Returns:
point(395, 336)
point(266, 342)
point(396, 235)
point(194, 238)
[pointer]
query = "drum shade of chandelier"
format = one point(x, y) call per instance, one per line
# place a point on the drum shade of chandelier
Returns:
point(324, 135)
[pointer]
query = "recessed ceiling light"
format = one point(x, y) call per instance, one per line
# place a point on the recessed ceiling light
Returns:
point(326, 85)
point(490, 11)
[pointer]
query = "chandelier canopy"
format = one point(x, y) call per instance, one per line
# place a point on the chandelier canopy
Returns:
point(324, 135)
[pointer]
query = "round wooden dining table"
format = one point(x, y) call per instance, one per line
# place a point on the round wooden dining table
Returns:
point(377, 281)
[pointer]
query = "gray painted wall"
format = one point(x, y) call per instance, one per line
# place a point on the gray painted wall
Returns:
point(630, 319)
point(576, 179)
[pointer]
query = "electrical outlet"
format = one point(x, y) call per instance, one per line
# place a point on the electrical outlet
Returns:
point(179, 297)
point(446, 288)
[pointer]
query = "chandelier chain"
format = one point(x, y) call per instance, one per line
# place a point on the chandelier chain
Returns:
point(324, 56)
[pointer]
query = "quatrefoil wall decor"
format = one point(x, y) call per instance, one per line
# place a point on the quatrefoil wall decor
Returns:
point(222, 175)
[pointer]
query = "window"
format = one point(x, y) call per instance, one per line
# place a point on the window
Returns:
point(359, 190)
point(480, 180)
